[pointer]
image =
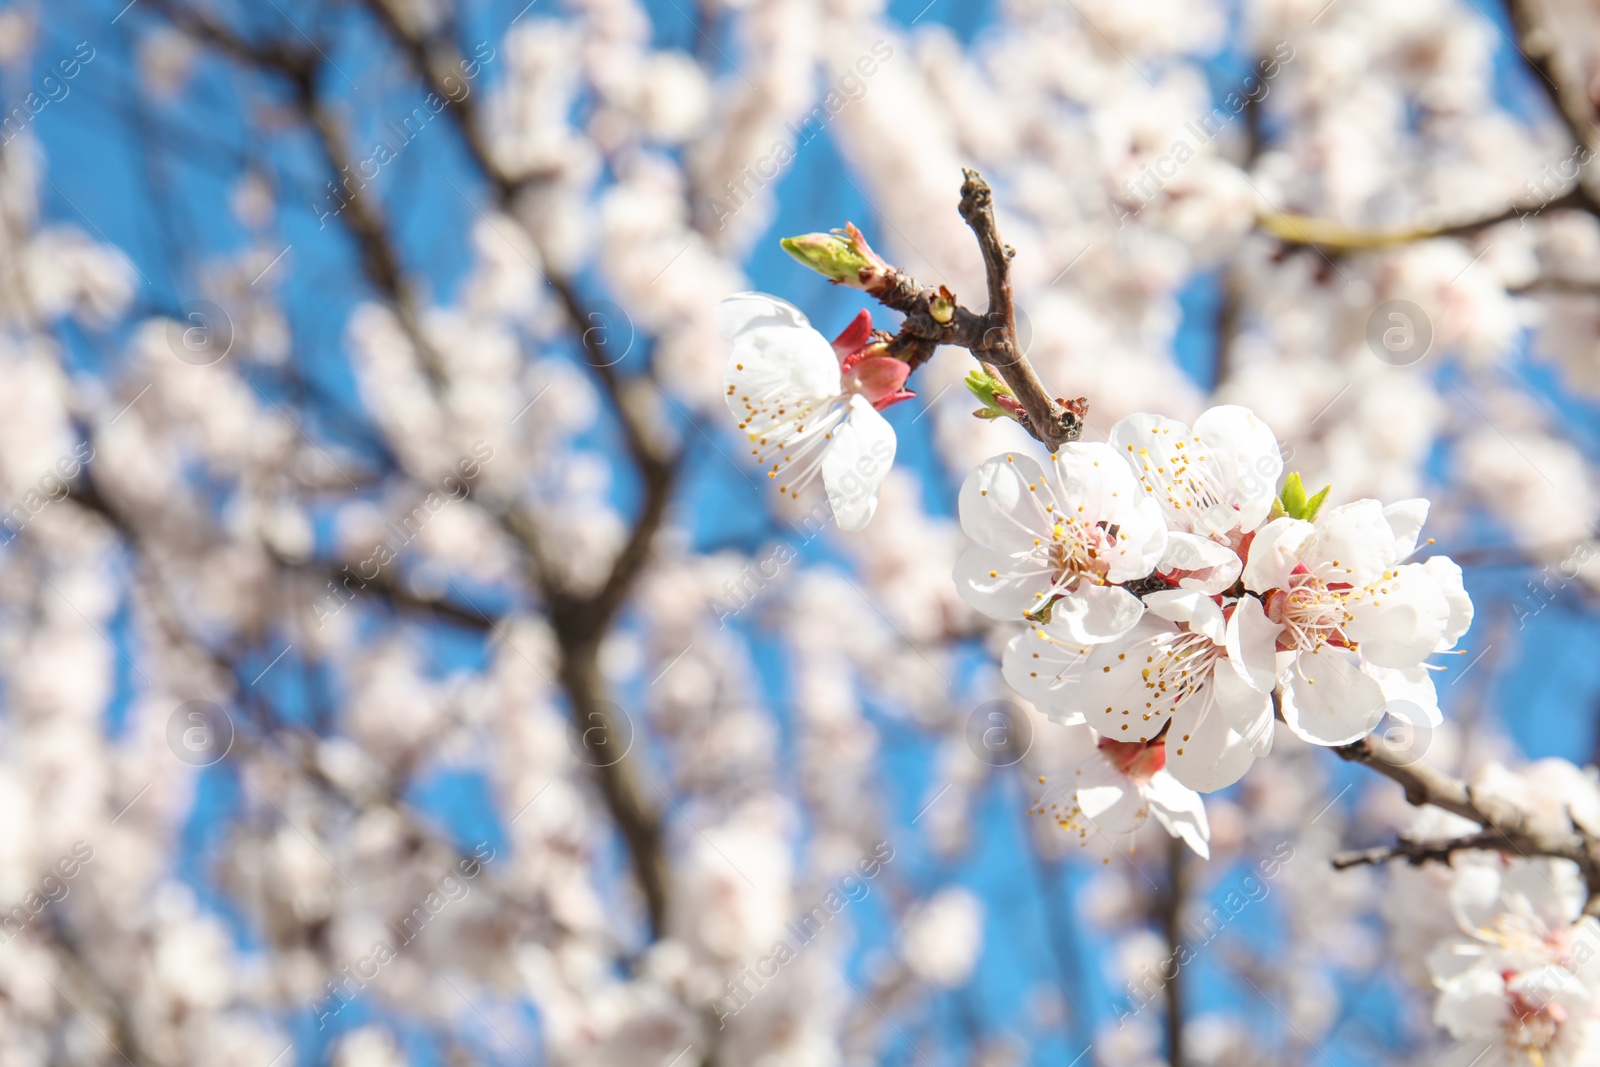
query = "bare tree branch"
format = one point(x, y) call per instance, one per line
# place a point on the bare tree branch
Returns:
point(1537, 45)
point(932, 317)
point(1506, 828)
point(579, 622)
point(1172, 907)
point(1417, 852)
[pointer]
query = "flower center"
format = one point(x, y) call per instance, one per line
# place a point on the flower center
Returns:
point(1176, 667)
point(1139, 761)
point(1188, 480)
point(1074, 552)
point(1311, 612)
point(1533, 1028)
point(788, 435)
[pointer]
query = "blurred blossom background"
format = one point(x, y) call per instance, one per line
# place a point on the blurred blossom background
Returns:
point(403, 663)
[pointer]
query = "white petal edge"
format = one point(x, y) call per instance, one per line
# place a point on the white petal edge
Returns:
point(855, 464)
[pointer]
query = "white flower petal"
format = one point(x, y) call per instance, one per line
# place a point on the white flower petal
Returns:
point(1405, 519)
point(1247, 458)
point(1276, 550)
point(1117, 699)
point(1327, 700)
point(1097, 487)
point(856, 462)
point(1095, 482)
point(1096, 613)
point(1153, 433)
point(772, 366)
point(752, 311)
point(1203, 564)
point(1198, 611)
point(999, 585)
point(1408, 695)
point(1159, 450)
point(1208, 744)
point(998, 508)
point(1400, 619)
point(1180, 810)
point(1046, 668)
point(1251, 640)
point(1354, 544)
point(1447, 573)
point(1474, 1005)
point(1551, 984)
point(1108, 798)
point(1141, 540)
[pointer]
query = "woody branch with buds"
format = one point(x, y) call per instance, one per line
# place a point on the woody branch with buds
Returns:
point(1008, 385)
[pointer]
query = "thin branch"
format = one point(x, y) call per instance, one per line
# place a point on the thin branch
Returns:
point(932, 318)
point(1172, 905)
point(1333, 237)
point(1417, 852)
point(1537, 44)
point(1506, 827)
point(1054, 422)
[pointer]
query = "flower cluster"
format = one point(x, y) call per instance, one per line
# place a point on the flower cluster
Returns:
point(1169, 590)
point(1523, 972)
point(1513, 959)
point(1169, 585)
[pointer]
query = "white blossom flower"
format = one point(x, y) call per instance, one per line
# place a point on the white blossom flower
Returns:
point(1060, 541)
point(942, 937)
point(1524, 973)
point(809, 406)
point(1356, 623)
point(1207, 669)
point(1118, 787)
point(1214, 484)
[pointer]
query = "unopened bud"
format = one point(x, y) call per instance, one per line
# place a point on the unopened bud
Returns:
point(843, 257)
point(998, 403)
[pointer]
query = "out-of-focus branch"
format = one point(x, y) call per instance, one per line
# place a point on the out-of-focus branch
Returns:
point(437, 60)
point(1417, 852)
point(273, 54)
point(1537, 44)
point(1333, 237)
point(1172, 905)
point(361, 216)
point(1506, 828)
point(579, 622)
point(1560, 286)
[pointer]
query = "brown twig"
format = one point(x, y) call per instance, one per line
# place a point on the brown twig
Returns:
point(1417, 852)
point(1506, 827)
point(1537, 44)
point(1172, 906)
point(932, 318)
point(578, 621)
